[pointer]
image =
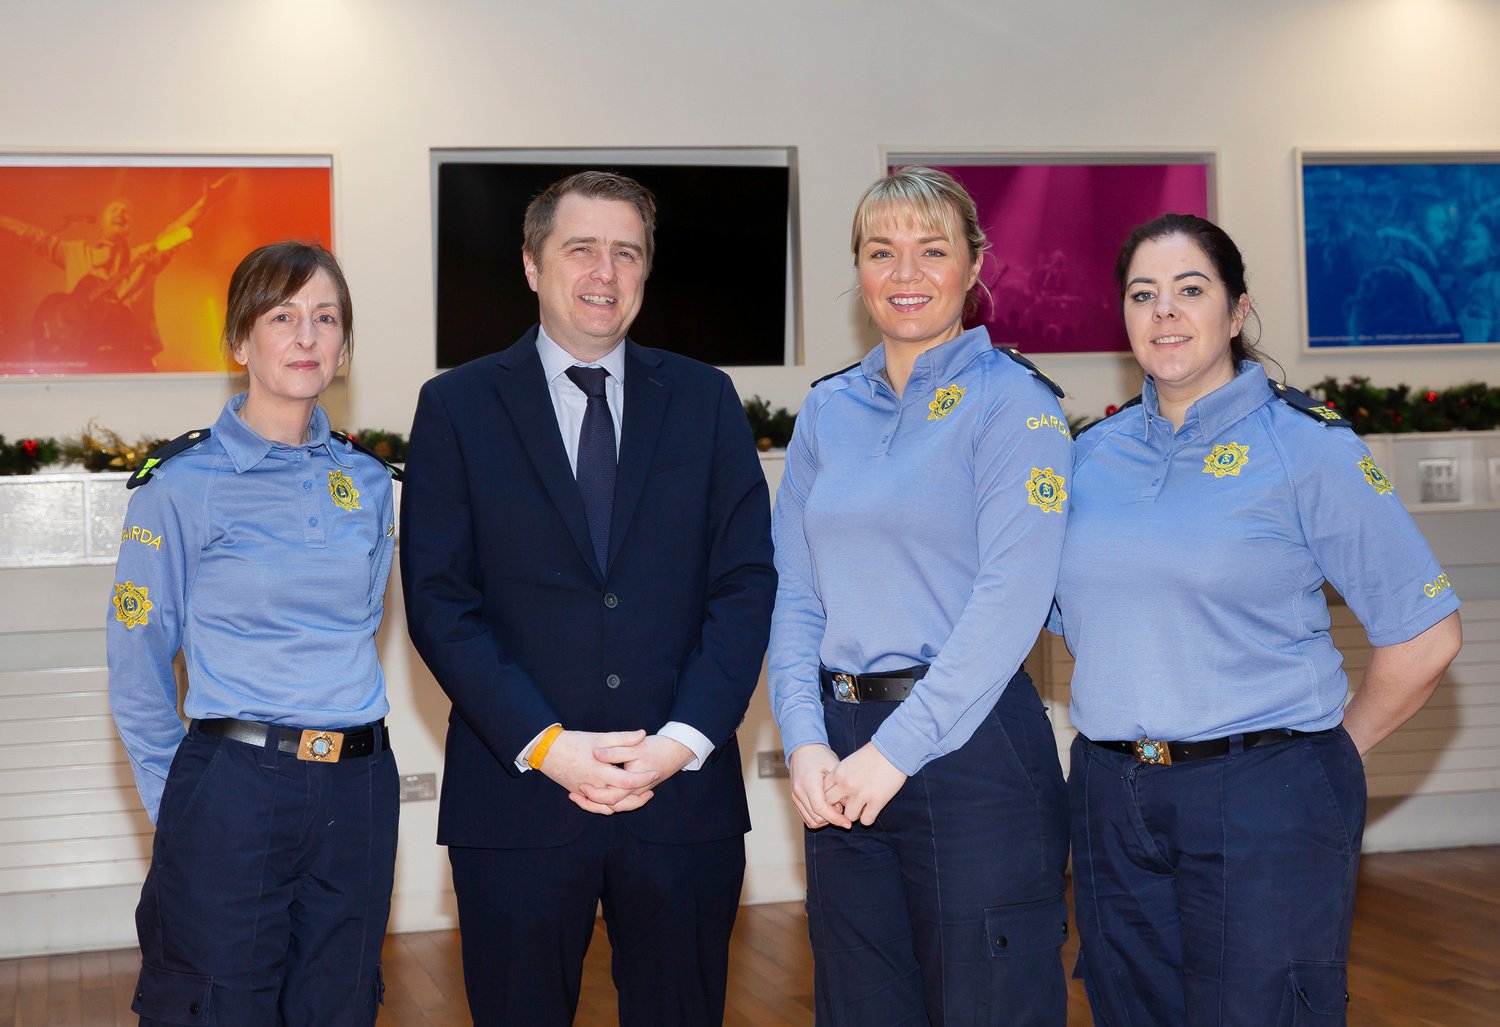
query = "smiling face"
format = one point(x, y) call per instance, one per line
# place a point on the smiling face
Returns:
point(1180, 317)
point(590, 274)
point(914, 279)
point(293, 350)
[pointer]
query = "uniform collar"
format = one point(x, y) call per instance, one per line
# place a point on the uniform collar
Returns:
point(556, 360)
point(940, 363)
point(246, 448)
point(1231, 402)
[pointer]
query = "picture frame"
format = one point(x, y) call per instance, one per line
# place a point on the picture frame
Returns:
point(483, 302)
point(1056, 221)
point(119, 264)
point(1398, 250)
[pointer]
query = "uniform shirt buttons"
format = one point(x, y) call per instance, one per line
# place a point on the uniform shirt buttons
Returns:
point(611, 600)
point(1001, 942)
point(194, 1009)
point(307, 486)
point(613, 681)
point(313, 521)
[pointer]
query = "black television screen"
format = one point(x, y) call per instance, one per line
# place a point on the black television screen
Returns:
point(720, 287)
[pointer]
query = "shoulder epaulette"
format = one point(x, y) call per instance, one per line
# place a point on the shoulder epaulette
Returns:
point(835, 374)
point(1036, 372)
point(165, 452)
point(1134, 402)
point(395, 472)
point(1301, 401)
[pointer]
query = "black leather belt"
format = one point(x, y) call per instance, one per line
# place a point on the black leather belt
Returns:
point(1159, 753)
point(315, 745)
point(886, 686)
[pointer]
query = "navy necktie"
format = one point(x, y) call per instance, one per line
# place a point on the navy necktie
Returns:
point(596, 458)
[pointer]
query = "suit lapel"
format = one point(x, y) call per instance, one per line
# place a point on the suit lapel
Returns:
point(523, 392)
point(646, 394)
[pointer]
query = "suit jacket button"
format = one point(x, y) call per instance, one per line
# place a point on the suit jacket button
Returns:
point(611, 600)
point(613, 681)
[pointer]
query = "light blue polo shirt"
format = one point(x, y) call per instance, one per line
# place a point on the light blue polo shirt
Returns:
point(924, 528)
point(1190, 592)
point(266, 564)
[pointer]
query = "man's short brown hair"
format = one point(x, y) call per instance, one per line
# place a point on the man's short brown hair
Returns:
point(541, 213)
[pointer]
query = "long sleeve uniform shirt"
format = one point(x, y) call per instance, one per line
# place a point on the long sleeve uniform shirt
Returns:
point(923, 528)
point(266, 564)
point(1191, 589)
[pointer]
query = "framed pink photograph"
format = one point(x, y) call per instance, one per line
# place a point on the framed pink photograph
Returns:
point(1055, 224)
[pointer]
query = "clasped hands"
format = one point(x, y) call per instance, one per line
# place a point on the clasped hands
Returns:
point(609, 772)
point(827, 790)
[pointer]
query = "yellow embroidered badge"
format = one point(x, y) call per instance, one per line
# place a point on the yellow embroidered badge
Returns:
point(1226, 459)
point(946, 400)
point(1045, 489)
point(345, 495)
point(131, 604)
point(1375, 476)
point(1326, 413)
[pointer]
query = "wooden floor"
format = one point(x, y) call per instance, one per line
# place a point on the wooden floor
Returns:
point(1426, 953)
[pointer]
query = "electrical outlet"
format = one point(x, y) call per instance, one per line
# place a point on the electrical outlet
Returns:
point(417, 787)
point(771, 763)
point(1439, 478)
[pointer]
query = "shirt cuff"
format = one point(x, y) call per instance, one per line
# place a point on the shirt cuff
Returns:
point(692, 738)
point(521, 763)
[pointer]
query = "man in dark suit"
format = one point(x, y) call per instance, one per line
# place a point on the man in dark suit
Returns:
point(586, 552)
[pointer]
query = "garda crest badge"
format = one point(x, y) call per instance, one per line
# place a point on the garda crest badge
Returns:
point(1374, 475)
point(345, 495)
point(1045, 489)
point(131, 604)
point(1226, 459)
point(946, 400)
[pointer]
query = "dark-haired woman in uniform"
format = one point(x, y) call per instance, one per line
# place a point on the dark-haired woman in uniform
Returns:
point(1218, 794)
point(260, 548)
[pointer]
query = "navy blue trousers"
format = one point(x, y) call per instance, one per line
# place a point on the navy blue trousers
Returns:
point(526, 917)
point(269, 889)
point(949, 909)
point(1221, 891)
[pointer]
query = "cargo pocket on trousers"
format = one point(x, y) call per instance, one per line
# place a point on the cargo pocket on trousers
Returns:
point(1317, 994)
point(1023, 930)
point(170, 997)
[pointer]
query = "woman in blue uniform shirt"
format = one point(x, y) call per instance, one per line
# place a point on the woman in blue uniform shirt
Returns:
point(1217, 789)
point(918, 528)
point(260, 548)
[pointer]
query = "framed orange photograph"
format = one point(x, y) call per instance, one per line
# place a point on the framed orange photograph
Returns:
point(119, 264)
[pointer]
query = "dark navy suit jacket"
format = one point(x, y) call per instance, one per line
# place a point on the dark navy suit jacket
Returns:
point(506, 605)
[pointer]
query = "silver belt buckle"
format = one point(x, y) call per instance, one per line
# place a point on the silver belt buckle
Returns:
point(843, 688)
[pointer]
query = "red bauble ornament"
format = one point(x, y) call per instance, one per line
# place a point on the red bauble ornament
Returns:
point(29, 447)
point(1431, 397)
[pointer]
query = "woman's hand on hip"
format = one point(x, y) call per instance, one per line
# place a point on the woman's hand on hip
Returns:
point(810, 767)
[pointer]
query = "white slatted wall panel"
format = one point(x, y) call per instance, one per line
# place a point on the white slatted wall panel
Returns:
point(69, 815)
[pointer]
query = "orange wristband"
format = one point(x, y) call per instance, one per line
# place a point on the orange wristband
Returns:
point(539, 750)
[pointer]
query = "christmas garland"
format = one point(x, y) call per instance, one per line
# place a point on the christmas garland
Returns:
point(26, 455)
point(100, 449)
point(1373, 410)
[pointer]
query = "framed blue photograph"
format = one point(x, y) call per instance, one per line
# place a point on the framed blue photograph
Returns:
point(1400, 249)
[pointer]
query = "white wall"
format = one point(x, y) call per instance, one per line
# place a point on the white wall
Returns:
point(378, 83)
